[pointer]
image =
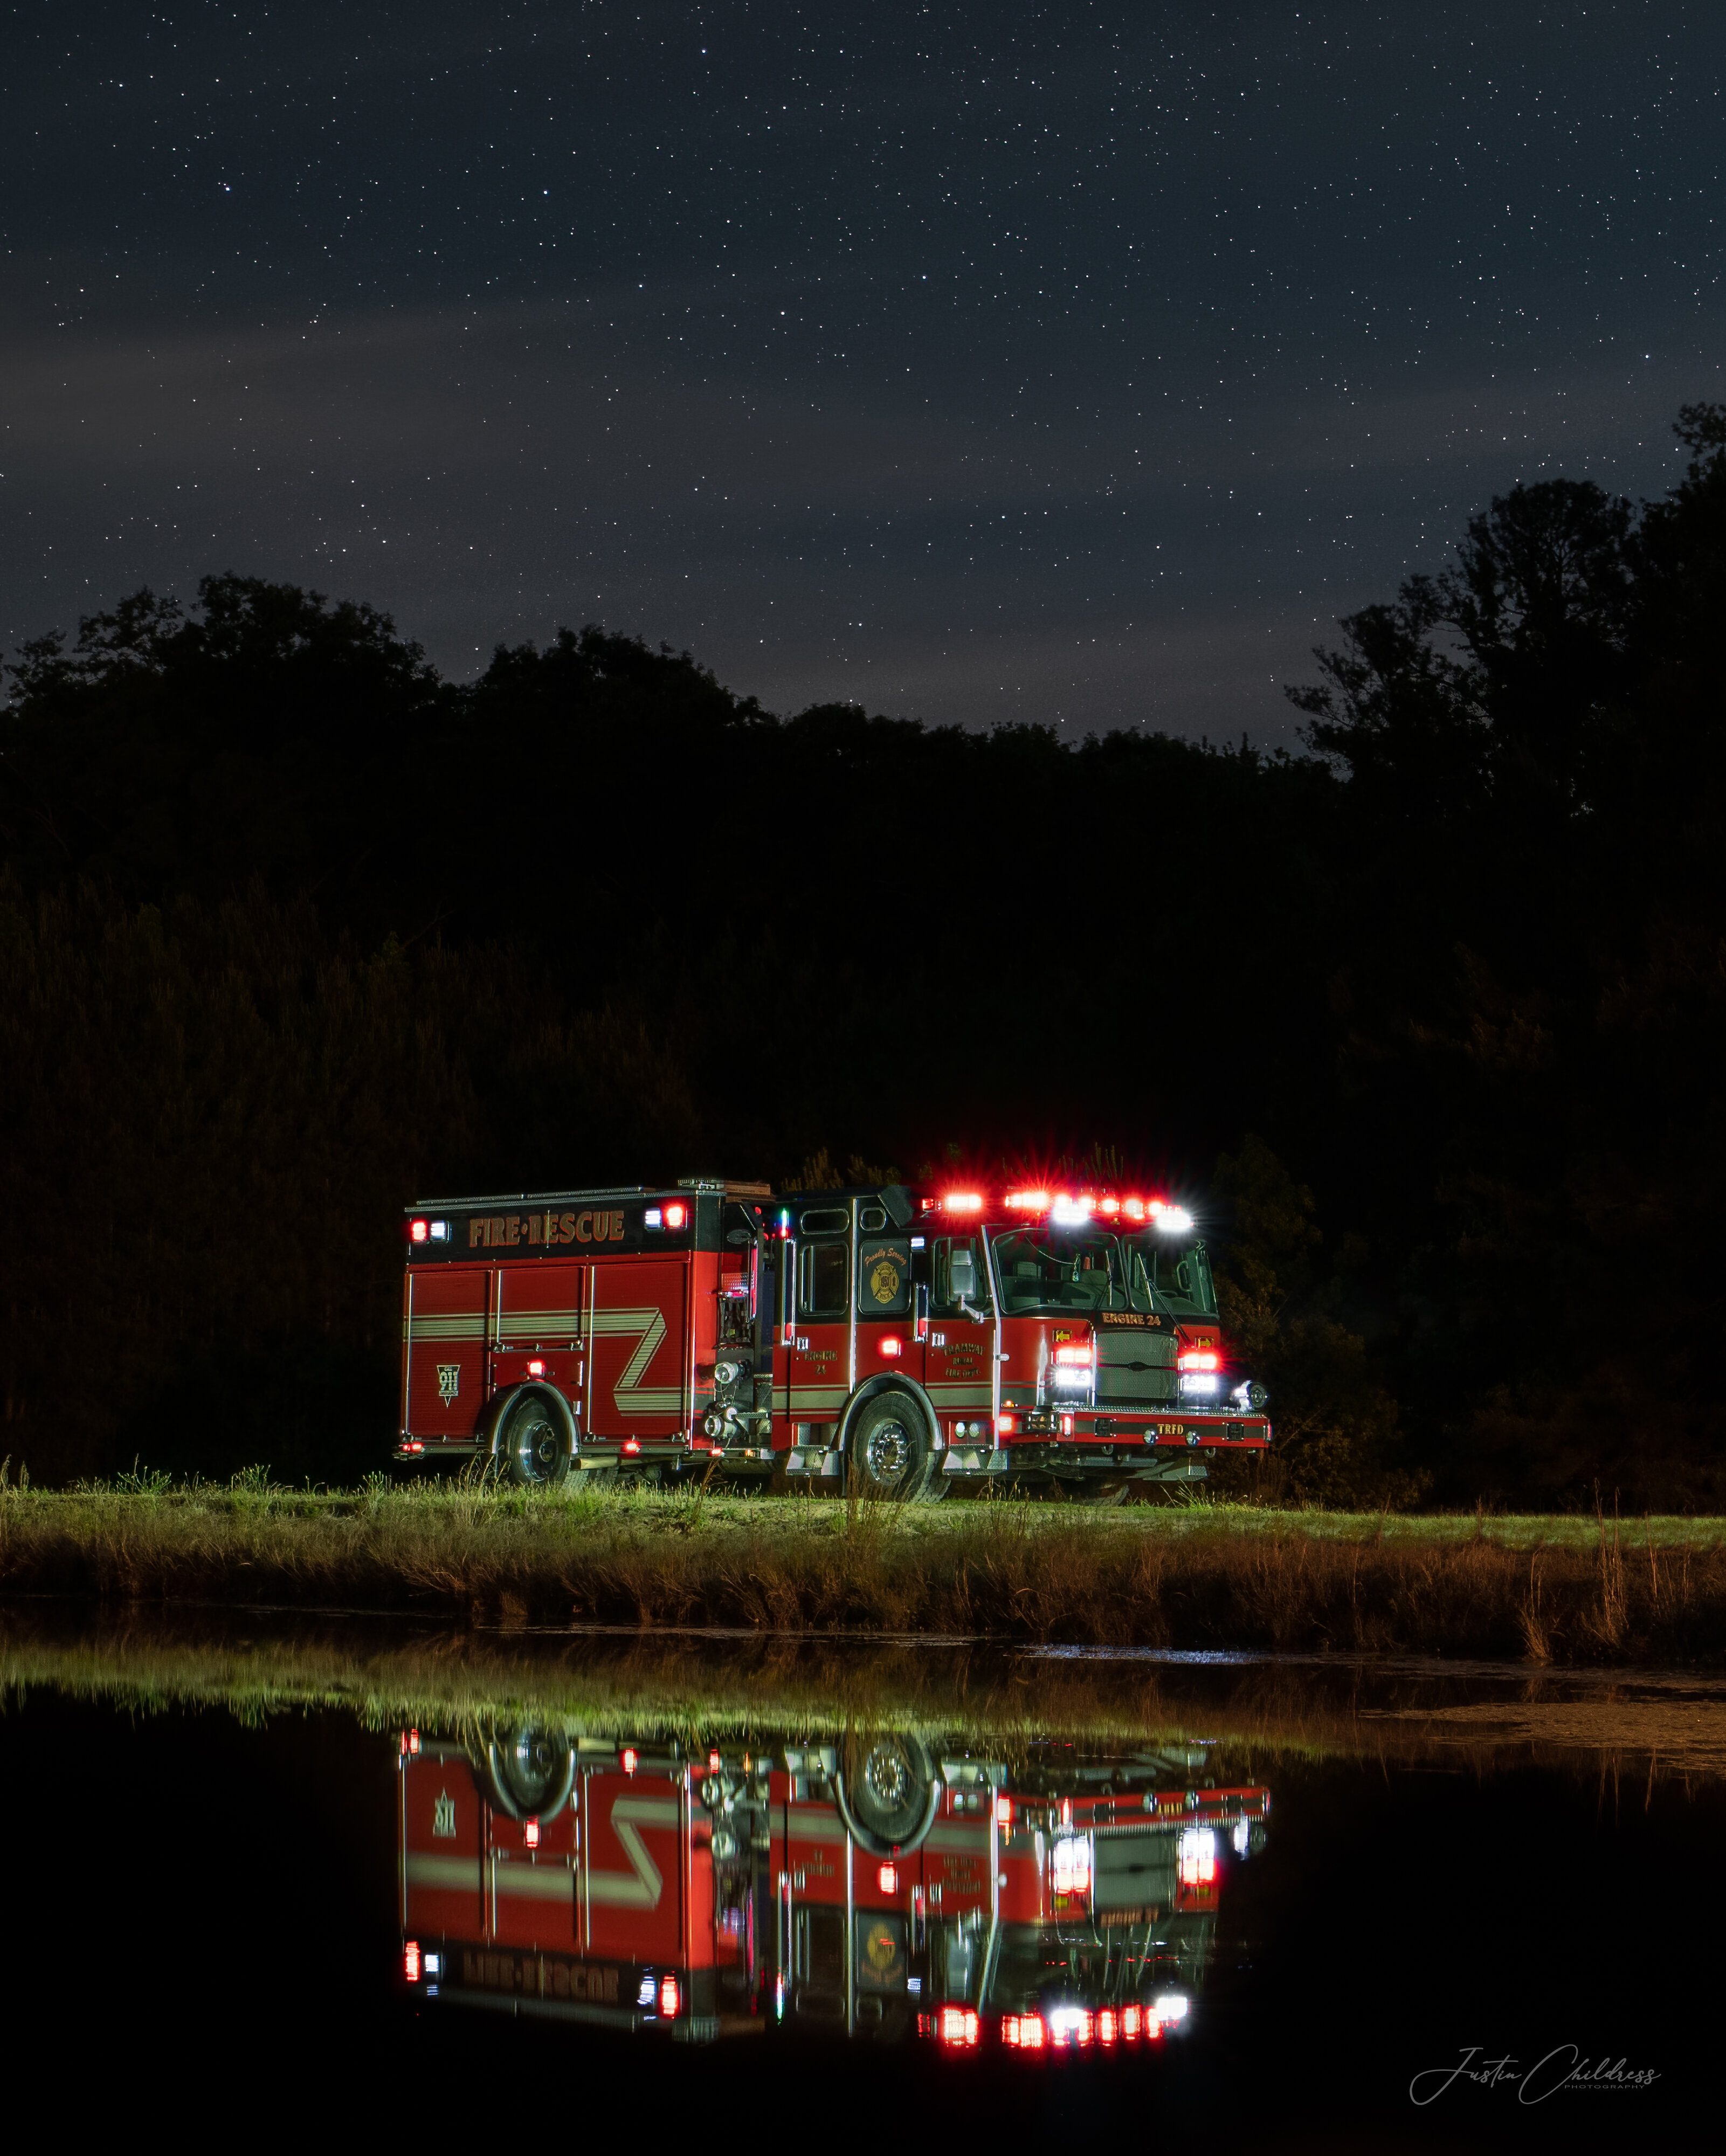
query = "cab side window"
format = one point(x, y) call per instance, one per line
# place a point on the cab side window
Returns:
point(822, 1277)
point(959, 1275)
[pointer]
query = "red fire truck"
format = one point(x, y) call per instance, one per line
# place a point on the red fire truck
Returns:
point(901, 1342)
point(888, 1884)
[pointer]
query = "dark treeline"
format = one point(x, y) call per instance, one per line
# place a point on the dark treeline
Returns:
point(1428, 1021)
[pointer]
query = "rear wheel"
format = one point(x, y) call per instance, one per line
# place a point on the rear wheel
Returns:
point(532, 1447)
point(890, 1454)
point(529, 1771)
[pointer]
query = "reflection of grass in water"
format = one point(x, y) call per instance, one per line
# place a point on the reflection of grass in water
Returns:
point(1260, 1718)
point(1194, 1575)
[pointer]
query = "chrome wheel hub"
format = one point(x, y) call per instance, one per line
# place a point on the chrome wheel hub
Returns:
point(889, 1451)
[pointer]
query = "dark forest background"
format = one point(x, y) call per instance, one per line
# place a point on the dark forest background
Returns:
point(1426, 1023)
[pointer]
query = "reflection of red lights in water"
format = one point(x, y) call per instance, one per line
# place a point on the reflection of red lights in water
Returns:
point(1063, 2028)
point(1024, 2032)
point(958, 2026)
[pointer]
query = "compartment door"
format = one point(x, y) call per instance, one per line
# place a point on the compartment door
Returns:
point(445, 1349)
point(638, 1353)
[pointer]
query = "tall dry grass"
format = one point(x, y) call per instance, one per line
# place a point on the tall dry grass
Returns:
point(1558, 1592)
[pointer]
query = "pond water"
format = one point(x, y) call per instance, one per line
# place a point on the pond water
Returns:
point(533, 1886)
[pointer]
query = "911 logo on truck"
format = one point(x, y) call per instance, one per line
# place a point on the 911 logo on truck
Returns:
point(449, 1381)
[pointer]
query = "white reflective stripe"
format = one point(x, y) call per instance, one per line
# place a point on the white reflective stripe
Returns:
point(454, 1875)
point(641, 1887)
point(959, 1396)
point(803, 1825)
point(436, 1325)
point(533, 1324)
point(822, 1396)
point(534, 1882)
point(955, 1836)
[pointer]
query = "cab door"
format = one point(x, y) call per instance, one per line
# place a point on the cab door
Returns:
point(958, 1353)
point(819, 1350)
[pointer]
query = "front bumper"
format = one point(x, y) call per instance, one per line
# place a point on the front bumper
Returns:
point(1183, 1427)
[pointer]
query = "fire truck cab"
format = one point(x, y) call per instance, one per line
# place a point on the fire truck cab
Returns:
point(886, 1885)
point(901, 1342)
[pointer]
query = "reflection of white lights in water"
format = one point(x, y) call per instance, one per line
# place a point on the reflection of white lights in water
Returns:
point(1170, 2007)
point(1241, 1837)
point(1069, 2025)
point(1197, 1855)
point(1070, 1864)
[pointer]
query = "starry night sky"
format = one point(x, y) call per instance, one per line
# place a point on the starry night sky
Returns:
point(976, 361)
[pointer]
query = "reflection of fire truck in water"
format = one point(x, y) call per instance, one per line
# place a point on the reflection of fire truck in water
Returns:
point(883, 1885)
point(909, 1344)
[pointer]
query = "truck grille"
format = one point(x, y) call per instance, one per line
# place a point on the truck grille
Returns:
point(1135, 1368)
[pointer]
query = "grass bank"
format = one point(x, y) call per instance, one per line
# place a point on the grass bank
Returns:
point(1555, 1590)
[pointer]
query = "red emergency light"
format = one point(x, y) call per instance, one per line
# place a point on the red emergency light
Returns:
point(676, 1214)
point(963, 1201)
point(887, 1878)
point(419, 1231)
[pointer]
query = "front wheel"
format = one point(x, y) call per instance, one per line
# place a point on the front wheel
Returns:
point(887, 1791)
point(890, 1455)
point(532, 1447)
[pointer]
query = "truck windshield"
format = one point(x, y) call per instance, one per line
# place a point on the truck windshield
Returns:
point(1172, 1276)
point(1045, 1269)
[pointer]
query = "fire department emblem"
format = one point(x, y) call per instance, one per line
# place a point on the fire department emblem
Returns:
point(884, 1281)
point(449, 1381)
point(444, 1815)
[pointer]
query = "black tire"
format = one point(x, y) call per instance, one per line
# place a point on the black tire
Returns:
point(535, 1439)
point(529, 1773)
point(887, 1791)
point(889, 1451)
